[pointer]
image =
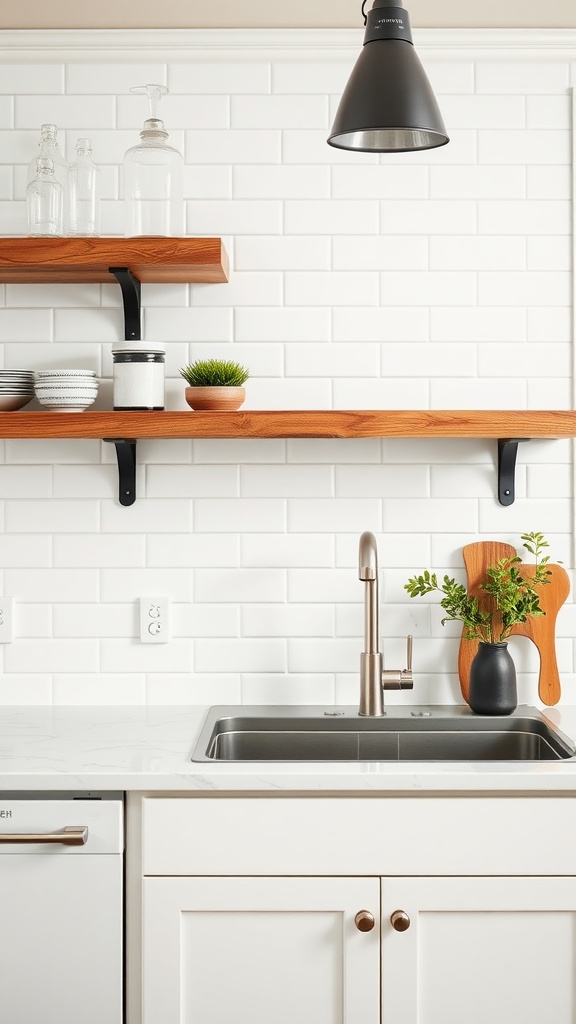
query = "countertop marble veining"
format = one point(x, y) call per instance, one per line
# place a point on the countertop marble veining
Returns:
point(149, 749)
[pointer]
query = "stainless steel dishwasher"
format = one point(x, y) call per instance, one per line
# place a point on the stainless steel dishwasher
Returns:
point(61, 918)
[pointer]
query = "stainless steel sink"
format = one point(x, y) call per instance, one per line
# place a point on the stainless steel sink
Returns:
point(433, 733)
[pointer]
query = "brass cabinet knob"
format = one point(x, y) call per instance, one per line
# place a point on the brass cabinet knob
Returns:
point(400, 921)
point(364, 921)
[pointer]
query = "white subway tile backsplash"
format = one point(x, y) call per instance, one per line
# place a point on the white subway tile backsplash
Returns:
point(24, 688)
point(379, 182)
point(27, 550)
point(234, 146)
point(245, 655)
point(279, 112)
point(437, 279)
point(345, 216)
point(311, 360)
point(549, 252)
point(218, 77)
point(192, 482)
point(529, 146)
point(130, 656)
point(548, 182)
point(295, 688)
point(430, 216)
point(281, 182)
point(430, 515)
point(240, 585)
point(51, 516)
point(94, 620)
point(83, 113)
point(452, 323)
point(477, 252)
point(99, 688)
point(401, 323)
point(282, 253)
point(478, 182)
point(287, 620)
point(515, 288)
point(524, 217)
point(52, 585)
point(428, 288)
point(239, 515)
point(379, 252)
point(381, 481)
point(15, 482)
point(214, 619)
point(283, 324)
point(187, 688)
point(39, 78)
point(521, 77)
point(339, 288)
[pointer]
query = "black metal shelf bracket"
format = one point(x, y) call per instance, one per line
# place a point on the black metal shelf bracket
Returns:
point(131, 298)
point(126, 456)
point(507, 452)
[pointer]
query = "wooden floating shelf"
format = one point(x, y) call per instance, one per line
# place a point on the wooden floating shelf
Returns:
point(80, 260)
point(290, 424)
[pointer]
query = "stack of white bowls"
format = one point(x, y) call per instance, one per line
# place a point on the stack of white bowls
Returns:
point(66, 390)
point(16, 389)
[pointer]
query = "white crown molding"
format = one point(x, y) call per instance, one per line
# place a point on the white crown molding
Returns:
point(201, 45)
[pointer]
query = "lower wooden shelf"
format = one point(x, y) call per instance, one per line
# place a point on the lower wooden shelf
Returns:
point(298, 423)
point(125, 428)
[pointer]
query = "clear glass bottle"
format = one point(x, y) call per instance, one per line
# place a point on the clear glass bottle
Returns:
point(84, 207)
point(44, 200)
point(48, 147)
point(153, 178)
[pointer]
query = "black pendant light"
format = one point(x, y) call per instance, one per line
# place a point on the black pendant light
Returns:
point(388, 105)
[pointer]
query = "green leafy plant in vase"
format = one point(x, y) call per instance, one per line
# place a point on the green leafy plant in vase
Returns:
point(215, 384)
point(514, 598)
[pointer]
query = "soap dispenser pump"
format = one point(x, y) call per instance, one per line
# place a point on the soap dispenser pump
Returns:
point(153, 177)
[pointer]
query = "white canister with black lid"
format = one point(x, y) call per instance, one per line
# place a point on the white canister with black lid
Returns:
point(138, 375)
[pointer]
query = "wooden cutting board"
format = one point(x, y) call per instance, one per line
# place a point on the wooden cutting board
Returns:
point(541, 630)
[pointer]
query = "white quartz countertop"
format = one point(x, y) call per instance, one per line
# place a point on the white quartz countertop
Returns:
point(149, 749)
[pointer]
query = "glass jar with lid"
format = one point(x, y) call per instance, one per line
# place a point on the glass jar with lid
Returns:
point(138, 376)
point(153, 178)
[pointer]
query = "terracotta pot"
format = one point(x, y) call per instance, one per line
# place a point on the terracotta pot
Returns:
point(225, 399)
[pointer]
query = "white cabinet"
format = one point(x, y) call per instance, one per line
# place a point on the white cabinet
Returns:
point(260, 950)
point(248, 910)
point(478, 950)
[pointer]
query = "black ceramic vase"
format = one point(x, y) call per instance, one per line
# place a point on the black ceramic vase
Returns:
point(492, 689)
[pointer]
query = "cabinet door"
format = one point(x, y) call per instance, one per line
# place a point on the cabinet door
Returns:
point(260, 951)
point(479, 950)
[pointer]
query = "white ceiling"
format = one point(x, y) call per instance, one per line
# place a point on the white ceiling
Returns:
point(280, 14)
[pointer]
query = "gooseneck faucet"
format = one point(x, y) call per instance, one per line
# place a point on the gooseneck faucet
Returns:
point(374, 679)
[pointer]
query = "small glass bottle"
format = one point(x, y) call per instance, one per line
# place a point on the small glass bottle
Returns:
point(84, 208)
point(48, 147)
point(44, 200)
point(153, 178)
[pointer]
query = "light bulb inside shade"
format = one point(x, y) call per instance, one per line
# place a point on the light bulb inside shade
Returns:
point(388, 104)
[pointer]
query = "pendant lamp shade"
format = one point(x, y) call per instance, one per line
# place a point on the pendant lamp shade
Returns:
point(388, 105)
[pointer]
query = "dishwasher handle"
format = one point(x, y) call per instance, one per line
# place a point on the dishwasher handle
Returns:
point(70, 835)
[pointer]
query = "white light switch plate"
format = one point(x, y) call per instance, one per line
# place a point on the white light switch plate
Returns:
point(154, 620)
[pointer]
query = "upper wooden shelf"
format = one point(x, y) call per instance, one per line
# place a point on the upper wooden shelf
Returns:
point(76, 260)
point(299, 423)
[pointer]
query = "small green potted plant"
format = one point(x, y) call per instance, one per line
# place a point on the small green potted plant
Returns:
point(513, 598)
point(215, 384)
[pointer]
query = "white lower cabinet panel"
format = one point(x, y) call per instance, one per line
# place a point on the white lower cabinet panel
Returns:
point(260, 951)
point(479, 951)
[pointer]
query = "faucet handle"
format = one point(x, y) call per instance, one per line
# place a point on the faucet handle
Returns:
point(400, 679)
